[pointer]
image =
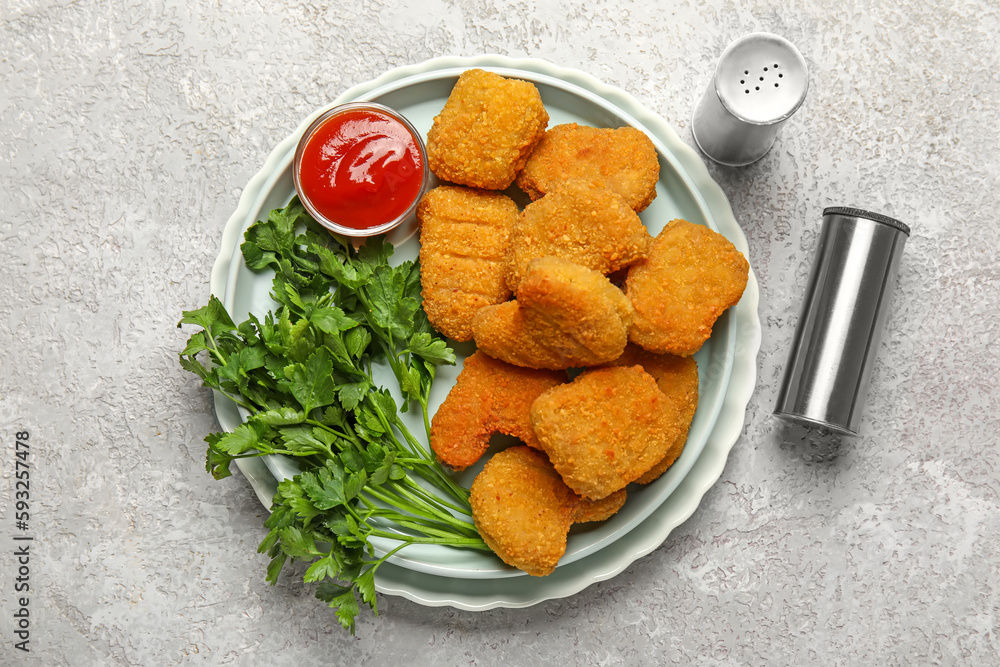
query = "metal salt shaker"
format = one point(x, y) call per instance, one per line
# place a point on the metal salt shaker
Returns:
point(759, 82)
point(843, 315)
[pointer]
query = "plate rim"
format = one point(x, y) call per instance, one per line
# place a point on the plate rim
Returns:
point(710, 198)
point(430, 559)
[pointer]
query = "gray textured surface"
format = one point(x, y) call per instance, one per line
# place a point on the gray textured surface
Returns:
point(127, 131)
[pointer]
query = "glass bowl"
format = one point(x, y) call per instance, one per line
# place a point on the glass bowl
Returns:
point(360, 169)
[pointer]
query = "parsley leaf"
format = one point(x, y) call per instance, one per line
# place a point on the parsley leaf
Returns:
point(302, 373)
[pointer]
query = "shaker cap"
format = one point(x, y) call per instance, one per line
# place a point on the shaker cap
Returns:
point(761, 78)
point(850, 212)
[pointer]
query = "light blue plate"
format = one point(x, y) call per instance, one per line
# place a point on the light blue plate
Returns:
point(442, 575)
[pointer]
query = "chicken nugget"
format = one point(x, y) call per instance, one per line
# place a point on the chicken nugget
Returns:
point(503, 332)
point(623, 158)
point(464, 237)
point(523, 509)
point(605, 429)
point(599, 510)
point(677, 378)
point(575, 310)
point(581, 221)
point(489, 396)
point(565, 316)
point(691, 276)
point(486, 130)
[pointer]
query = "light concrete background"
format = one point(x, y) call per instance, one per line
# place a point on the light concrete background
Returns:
point(127, 131)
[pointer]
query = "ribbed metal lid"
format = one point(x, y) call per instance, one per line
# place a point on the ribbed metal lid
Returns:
point(868, 215)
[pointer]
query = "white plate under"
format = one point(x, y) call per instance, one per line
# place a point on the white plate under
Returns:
point(438, 575)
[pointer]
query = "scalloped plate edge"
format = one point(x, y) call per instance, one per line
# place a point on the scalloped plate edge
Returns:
point(709, 466)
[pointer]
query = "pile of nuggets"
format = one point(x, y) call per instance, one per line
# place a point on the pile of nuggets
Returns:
point(584, 324)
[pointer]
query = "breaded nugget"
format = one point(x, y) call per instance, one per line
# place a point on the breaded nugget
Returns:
point(623, 158)
point(489, 396)
point(605, 429)
point(578, 308)
point(523, 510)
point(464, 237)
point(486, 130)
point(503, 332)
point(691, 276)
point(677, 378)
point(565, 316)
point(580, 221)
point(599, 510)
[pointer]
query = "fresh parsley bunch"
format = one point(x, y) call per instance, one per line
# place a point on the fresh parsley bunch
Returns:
point(303, 374)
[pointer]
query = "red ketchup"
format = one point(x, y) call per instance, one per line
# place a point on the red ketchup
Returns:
point(360, 168)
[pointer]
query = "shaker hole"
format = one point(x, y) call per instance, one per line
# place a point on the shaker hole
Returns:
point(757, 88)
point(780, 76)
point(765, 69)
point(775, 85)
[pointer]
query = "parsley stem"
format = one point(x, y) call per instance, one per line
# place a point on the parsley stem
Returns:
point(346, 435)
point(434, 499)
point(440, 478)
point(437, 475)
point(412, 504)
point(467, 542)
point(236, 398)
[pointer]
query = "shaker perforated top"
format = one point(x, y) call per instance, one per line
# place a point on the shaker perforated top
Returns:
point(761, 78)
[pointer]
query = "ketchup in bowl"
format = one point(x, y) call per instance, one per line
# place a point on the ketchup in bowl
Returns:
point(360, 169)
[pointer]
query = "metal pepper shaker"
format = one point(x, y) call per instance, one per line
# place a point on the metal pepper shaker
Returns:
point(840, 327)
point(760, 81)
